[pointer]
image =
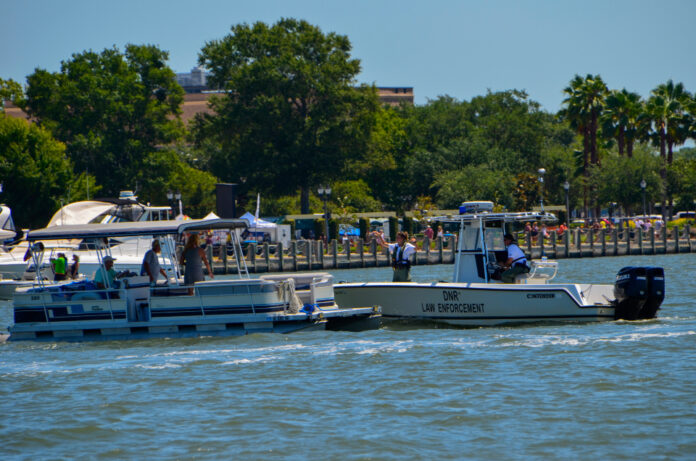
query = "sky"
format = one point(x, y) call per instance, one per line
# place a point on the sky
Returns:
point(439, 47)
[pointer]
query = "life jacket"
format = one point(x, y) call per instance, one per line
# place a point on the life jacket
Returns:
point(398, 261)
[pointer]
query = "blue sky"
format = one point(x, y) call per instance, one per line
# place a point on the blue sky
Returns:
point(458, 48)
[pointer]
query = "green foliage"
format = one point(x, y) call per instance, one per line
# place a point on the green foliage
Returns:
point(110, 109)
point(473, 183)
point(291, 102)
point(381, 165)
point(355, 196)
point(683, 174)
point(164, 171)
point(10, 91)
point(34, 171)
point(290, 204)
point(618, 179)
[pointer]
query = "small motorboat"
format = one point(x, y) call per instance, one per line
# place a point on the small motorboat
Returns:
point(475, 298)
point(133, 308)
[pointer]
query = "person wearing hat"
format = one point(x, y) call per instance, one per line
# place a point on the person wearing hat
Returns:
point(105, 275)
point(516, 262)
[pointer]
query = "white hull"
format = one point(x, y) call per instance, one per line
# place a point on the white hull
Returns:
point(8, 287)
point(481, 304)
point(218, 308)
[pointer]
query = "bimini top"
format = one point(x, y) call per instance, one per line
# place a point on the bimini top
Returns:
point(132, 229)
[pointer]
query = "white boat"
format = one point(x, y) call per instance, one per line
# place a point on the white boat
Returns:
point(134, 309)
point(7, 227)
point(128, 251)
point(473, 298)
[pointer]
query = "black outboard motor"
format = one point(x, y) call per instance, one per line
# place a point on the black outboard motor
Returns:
point(656, 292)
point(639, 292)
point(631, 292)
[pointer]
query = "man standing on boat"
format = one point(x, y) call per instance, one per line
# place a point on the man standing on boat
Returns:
point(151, 266)
point(516, 262)
point(400, 252)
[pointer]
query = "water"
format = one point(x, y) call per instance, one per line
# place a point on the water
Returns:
point(618, 390)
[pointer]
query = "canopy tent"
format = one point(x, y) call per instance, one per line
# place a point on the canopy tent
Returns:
point(257, 223)
point(211, 215)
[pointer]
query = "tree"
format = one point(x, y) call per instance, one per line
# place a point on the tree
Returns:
point(473, 183)
point(174, 173)
point(10, 91)
point(666, 108)
point(292, 114)
point(584, 105)
point(382, 165)
point(618, 178)
point(621, 119)
point(34, 171)
point(110, 109)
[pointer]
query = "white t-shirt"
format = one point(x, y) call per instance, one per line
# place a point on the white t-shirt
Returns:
point(517, 255)
point(408, 251)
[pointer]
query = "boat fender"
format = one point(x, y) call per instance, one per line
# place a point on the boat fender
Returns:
point(309, 308)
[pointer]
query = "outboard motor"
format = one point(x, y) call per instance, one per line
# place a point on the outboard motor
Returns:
point(631, 292)
point(656, 292)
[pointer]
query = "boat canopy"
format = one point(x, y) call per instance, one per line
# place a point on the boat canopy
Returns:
point(132, 229)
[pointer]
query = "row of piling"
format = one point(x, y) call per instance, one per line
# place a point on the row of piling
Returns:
point(310, 255)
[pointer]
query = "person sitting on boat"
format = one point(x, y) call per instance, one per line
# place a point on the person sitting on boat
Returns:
point(400, 252)
point(516, 262)
point(106, 275)
point(151, 265)
point(193, 258)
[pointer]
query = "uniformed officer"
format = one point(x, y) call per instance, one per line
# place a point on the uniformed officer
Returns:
point(516, 262)
point(401, 253)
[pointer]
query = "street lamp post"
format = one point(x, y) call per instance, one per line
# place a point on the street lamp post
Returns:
point(566, 187)
point(324, 193)
point(643, 185)
point(177, 196)
point(541, 172)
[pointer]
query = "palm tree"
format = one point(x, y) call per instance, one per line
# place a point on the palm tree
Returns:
point(584, 105)
point(620, 119)
point(667, 109)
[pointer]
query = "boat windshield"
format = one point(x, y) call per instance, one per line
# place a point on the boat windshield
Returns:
point(126, 213)
point(471, 238)
point(494, 239)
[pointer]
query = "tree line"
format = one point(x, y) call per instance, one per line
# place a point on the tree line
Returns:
point(290, 116)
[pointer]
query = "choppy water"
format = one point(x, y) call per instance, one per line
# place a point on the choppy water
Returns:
point(616, 390)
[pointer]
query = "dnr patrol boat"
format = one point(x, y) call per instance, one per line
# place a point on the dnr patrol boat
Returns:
point(474, 298)
point(132, 308)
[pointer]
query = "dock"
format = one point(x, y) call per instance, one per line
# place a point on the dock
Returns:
point(310, 255)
